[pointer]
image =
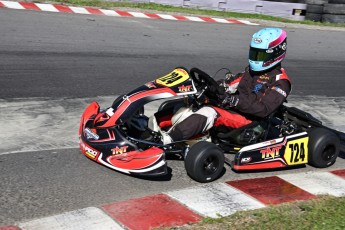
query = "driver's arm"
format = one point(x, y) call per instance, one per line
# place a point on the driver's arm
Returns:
point(231, 82)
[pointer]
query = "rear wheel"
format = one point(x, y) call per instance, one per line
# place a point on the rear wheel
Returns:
point(323, 147)
point(204, 162)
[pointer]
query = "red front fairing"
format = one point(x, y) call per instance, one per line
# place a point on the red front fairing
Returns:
point(111, 148)
point(103, 140)
point(91, 110)
point(139, 160)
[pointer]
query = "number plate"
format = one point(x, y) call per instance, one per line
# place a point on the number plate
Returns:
point(296, 151)
point(174, 78)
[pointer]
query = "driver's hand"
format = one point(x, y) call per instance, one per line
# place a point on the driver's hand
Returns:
point(228, 100)
point(229, 77)
point(215, 90)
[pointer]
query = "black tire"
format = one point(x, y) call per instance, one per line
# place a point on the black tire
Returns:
point(332, 18)
point(318, 9)
point(334, 9)
point(337, 1)
point(316, 2)
point(204, 162)
point(323, 147)
point(313, 17)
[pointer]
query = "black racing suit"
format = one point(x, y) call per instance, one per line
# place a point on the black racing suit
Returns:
point(259, 94)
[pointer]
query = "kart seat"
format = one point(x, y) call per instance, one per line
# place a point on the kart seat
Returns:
point(247, 134)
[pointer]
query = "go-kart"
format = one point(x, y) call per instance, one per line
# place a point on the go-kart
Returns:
point(124, 138)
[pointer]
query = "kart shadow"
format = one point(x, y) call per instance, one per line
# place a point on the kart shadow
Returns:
point(166, 177)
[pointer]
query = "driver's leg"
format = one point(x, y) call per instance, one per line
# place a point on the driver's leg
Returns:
point(230, 119)
point(199, 122)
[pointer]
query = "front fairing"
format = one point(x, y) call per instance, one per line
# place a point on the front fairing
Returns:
point(112, 148)
point(177, 83)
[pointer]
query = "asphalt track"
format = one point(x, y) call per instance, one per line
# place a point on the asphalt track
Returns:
point(51, 65)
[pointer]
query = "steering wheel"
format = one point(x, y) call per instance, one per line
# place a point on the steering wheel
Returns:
point(206, 82)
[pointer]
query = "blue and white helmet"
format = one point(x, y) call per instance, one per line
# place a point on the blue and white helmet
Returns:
point(267, 48)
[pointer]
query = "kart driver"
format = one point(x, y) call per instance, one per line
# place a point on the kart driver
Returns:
point(252, 94)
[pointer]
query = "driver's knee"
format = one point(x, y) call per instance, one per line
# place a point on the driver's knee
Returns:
point(210, 115)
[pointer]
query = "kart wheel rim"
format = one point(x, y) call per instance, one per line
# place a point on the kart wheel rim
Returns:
point(211, 165)
point(328, 153)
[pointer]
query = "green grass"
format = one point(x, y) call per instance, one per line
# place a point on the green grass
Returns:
point(326, 212)
point(184, 10)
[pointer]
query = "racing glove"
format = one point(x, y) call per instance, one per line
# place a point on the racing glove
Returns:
point(229, 100)
point(229, 77)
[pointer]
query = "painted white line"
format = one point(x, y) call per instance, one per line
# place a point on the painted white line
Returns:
point(317, 183)
point(13, 5)
point(110, 13)
point(47, 7)
point(89, 218)
point(37, 150)
point(37, 124)
point(79, 10)
point(215, 200)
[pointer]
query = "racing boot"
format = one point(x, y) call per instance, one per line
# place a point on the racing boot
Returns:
point(166, 138)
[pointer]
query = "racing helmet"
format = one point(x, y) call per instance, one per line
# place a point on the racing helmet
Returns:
point(267, 48)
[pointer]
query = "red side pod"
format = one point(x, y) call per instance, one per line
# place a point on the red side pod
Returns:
point(263, 165)
point(92, 109)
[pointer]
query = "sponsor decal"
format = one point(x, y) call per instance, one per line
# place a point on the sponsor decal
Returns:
point(257, 88)
point(90, 152)
point(257, 40)
point(262, 82)
point(150, 85)
point(119, 150)
point(110, 112)
point(183, 88)
point(90, 134)
point(284, 46)
point(269, 51)
point(270, 153)
point(246, 160)
point(264, 77)
point(279, 90)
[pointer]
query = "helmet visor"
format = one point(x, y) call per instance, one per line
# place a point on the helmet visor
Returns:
point(259, 55)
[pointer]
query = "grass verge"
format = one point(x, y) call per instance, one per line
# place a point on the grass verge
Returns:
point(326, 212)
point(184, 10)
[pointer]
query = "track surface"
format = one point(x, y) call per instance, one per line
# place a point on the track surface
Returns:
point(51, 65)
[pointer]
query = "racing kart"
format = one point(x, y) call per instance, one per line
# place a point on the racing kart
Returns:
point(122, 137)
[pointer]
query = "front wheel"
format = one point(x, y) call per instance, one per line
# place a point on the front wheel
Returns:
point(323, 147)
point(204, 162)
